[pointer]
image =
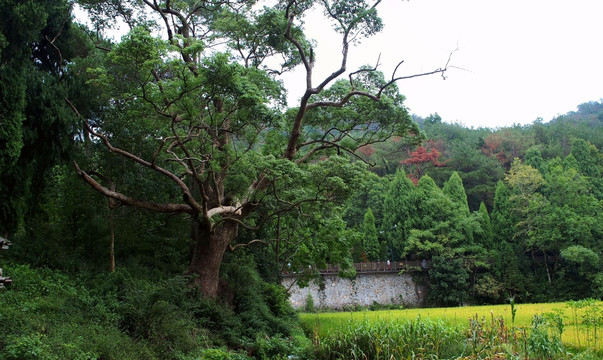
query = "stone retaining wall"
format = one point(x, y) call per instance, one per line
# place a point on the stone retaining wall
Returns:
point(365, 289)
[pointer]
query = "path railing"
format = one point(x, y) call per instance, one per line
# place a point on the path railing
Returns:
point(378, 266)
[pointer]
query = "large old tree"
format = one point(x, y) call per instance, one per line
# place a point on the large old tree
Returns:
point(192, 95)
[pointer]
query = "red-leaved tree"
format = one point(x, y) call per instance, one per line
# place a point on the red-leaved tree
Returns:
point(420, 160)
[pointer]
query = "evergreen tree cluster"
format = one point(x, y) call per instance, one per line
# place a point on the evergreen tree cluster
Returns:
point(512, 212)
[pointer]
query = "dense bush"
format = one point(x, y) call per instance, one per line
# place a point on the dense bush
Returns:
point(133, 314)
point(47, 315)
point(448, 280)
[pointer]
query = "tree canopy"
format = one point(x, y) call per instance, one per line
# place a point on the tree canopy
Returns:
point(38, 40)
point(200, 109)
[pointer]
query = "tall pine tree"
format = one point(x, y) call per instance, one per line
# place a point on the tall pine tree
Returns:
point(371, 241)
point(400, 212)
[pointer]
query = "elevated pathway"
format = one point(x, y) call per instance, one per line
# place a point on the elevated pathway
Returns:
point(375, 267)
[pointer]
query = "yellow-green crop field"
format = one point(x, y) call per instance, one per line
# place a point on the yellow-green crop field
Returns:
point(582, 325)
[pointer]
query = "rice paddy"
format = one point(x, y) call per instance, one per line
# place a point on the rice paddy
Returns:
point(576, 324)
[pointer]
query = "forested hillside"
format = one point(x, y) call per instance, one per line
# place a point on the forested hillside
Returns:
point(155, 188)
point(511, 212)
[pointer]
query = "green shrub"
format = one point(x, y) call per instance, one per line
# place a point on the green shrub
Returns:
point(74, 323)
point(541, 345)
point(26, 347)
point(222, 354)
point(138, 314)
point(449, 281)
point(260, 307)
point(309, 307)
point(586, 355)
point(277, 299)
point(278, 347)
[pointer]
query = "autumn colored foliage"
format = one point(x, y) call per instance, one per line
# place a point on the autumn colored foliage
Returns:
point(366, 150)
point(419, 160)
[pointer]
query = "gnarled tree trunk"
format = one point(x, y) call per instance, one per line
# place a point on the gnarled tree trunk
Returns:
point(208, 248)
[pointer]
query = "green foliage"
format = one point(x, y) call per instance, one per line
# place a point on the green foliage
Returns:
point(448, 281)
point(254, 314)
point(508, 268)
point(540, 344)
point(555, 215)
point(513, 309)
point(453, 188)
point(48, 315)
point(26, 347)
point(586, 155)
point(371, 242)
point(597, 287)
point(503, 216)
point(525, 178)
point(370, 192)
point(309, 306)
point(444, 224)
point(484, 233)
point(136, 313)
point(222, 354)
point(487, 289)
point(586, 259)
point(256, 38)
point(36, 125)
point(400, 212)
point(534, 158)
point(278, 348)
point(463, 151)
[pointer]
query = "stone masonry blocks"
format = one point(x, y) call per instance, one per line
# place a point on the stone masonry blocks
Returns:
point(365, 289)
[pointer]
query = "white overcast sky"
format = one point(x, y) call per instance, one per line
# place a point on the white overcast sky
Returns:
point(523, 59)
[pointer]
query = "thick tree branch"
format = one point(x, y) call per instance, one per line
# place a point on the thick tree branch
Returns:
point(255, 241)
point(156, 207)
point(113, 204)
point(186, 193)
point(236, 210)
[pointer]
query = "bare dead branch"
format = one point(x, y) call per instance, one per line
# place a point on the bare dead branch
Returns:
point(362, 70)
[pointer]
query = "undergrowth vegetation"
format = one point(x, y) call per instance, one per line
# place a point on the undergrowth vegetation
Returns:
point(49, 315)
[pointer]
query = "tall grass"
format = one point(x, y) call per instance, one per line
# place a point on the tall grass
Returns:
point(384, 339)
point(532, 331)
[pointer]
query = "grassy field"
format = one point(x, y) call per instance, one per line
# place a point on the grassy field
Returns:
point(580, 322)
